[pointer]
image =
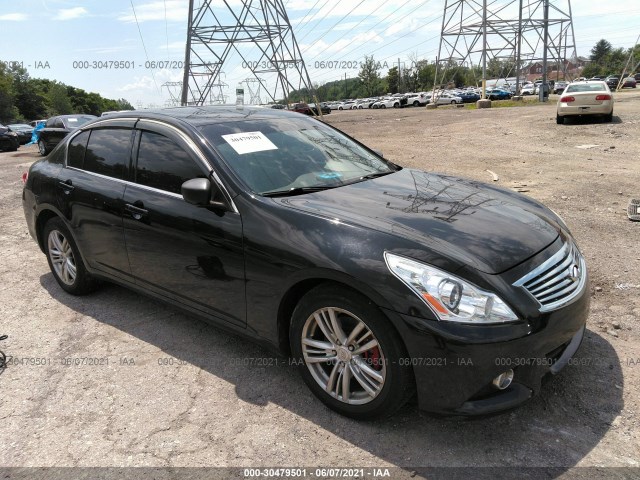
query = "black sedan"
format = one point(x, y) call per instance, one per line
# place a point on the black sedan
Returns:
point(379, 281)
point(59, 127)
point(24, 131)
point(8, 139)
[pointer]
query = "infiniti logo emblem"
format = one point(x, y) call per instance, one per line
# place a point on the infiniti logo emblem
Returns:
point(574, 273)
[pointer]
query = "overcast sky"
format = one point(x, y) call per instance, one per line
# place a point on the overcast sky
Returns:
point(58, 39)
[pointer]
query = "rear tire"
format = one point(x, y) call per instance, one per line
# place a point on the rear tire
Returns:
point(349, 354)
point(383, 106)
point(559, 119)
point(609, 118)
point(65, 260)
point(42, 148)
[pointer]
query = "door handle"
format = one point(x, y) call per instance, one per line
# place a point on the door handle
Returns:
point(136, 212)
point(66, 186)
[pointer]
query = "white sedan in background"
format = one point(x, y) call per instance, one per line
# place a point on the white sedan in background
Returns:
point(585, 98)
point(387, 102)
point(446, 99)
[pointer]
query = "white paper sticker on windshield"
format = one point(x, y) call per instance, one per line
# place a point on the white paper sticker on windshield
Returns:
point(249, 142)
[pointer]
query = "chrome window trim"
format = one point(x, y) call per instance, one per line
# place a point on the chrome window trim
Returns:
point(572, 253)
point(190, 143)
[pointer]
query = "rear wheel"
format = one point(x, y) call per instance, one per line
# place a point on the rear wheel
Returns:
point(383, 106)
point(64, 259)
point(609, 118)
point(453, 102)
point(559, 119)
point(416, 103)
point(42, 148)
point(349, 354)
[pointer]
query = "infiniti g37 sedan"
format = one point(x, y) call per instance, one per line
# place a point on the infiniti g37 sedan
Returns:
point(380, 281)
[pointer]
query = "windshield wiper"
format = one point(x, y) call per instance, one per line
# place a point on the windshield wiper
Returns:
point(297, 191)
point(369, 176)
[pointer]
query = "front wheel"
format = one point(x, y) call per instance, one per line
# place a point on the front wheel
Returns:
point(64, 259)
point(453, 102)
point(349, 354)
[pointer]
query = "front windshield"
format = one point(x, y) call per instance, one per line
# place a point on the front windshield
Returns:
point(276, 155)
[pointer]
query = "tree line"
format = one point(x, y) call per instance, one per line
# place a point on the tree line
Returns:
point(23, 98)
point(421, 76)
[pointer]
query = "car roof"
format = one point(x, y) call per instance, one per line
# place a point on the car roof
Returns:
point(206, 115)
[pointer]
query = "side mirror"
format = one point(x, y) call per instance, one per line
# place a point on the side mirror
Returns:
point(200, 191)
point(197, 191)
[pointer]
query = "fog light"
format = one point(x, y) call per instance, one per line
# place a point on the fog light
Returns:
point(503, 380)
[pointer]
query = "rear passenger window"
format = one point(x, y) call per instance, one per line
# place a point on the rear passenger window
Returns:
point(163, 164)
point(77, 149)
point(108, 152)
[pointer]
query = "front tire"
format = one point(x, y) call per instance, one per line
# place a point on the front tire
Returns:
point(65, 260)
point(349, 354)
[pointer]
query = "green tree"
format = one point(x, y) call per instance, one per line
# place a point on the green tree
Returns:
point(59, 102)
point(8, 111)
point(600, 51)
point(393, 79)
point(369, 77)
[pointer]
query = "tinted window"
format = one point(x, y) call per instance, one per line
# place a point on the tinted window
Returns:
point(108, 152)
point(77, 149)
point(163, 164)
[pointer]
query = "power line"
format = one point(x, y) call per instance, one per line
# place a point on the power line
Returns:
point(144, 47)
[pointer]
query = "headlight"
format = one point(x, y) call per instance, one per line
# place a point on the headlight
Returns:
point(450, 297)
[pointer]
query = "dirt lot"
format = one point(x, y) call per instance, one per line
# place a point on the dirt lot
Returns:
point(167, 390)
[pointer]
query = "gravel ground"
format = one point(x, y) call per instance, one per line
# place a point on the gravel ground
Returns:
point(117, 380)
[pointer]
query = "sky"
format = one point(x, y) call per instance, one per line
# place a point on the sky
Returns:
point(135, 49)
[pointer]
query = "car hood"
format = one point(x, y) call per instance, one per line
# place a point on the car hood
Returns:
point(471, 223)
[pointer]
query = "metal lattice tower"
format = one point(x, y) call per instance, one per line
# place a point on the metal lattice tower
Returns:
point(257, 33)
point(254, 85)
point(515, 31)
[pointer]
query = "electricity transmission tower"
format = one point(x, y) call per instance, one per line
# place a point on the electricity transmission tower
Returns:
point(174, 89)
point(511, 31)
point(254, 86)
point(256, 33)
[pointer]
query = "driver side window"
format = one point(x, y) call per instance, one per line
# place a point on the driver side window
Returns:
point(163, 164)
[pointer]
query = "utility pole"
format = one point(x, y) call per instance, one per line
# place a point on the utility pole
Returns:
point(543, 88)
point(187, 59)
point(484, 50)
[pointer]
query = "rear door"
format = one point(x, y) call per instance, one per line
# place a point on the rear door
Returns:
point(93, 184)
point(190, 254)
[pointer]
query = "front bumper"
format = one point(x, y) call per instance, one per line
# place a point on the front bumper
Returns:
point(454, 365)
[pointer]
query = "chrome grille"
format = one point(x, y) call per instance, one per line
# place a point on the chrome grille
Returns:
point(557, 281)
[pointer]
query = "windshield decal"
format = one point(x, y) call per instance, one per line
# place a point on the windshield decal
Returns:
point(249, 142)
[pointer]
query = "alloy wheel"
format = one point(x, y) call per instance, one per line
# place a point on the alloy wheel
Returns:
point(62, 259)
point(343, 356)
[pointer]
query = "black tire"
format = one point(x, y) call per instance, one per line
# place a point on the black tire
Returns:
point(65, 260)
point(383, 106)
point(360, 318)
point(416, 103)
point(559, 119)
point(609, 118)
point(396, 105)
point(453, 102)
point(42, 148)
